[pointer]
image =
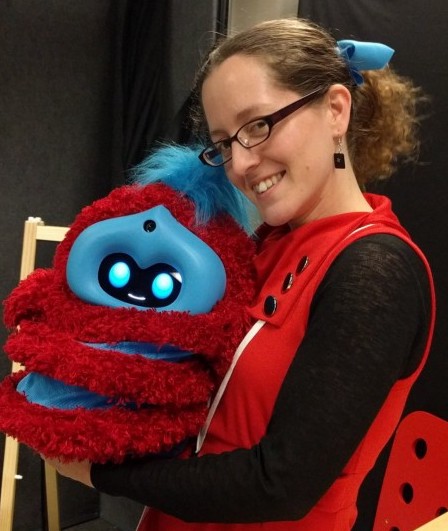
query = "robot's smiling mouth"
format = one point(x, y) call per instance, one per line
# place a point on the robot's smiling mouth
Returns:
point(51, 393)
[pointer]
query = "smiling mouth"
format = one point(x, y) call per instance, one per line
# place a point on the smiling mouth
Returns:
point(267, 184)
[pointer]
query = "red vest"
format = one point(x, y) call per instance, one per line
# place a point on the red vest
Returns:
point(244, 411)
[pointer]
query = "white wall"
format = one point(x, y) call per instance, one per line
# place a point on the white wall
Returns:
point(245, 13)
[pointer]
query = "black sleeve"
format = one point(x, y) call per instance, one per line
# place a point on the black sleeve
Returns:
point(368, 327)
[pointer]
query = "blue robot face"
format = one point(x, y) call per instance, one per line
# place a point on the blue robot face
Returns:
point(145, 260)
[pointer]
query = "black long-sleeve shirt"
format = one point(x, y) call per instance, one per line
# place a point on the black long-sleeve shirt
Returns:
point(367, 328)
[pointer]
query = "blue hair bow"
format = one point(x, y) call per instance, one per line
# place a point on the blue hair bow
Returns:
point(364, 56)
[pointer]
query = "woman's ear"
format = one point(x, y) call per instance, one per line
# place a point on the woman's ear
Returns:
point(339, 108)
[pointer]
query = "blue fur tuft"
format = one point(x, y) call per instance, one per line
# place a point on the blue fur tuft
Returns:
point(180, 168)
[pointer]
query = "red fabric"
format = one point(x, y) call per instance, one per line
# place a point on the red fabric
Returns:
point(245, 409)
point(54, 322)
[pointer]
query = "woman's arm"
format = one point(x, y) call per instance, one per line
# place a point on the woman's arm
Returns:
point(367, 328)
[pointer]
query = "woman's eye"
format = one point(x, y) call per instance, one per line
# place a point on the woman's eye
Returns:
point(258, 128)
point(224, 146)
point(119, 274)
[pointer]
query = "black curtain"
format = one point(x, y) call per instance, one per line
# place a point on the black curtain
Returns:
point(160, 46)
point(143, 81)
point(417, 31)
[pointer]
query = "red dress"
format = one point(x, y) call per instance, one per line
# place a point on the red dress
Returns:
point(244, 411)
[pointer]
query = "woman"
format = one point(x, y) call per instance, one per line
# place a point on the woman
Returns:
point(345, 308)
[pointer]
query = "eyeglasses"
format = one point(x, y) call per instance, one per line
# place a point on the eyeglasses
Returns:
point(253, 133)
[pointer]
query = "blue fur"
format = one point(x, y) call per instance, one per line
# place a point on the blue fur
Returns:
point(180, 168)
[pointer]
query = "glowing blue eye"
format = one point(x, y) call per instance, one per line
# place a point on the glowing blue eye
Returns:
point(162, 285)
point(119, 274)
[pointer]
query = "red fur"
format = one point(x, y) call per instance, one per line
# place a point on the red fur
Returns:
point(54, 323)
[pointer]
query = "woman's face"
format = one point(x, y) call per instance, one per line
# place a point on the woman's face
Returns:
point(290, 177)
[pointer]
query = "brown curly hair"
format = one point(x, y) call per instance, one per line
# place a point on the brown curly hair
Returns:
point(303, 57)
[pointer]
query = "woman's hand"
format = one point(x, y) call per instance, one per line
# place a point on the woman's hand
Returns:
point(76, 470)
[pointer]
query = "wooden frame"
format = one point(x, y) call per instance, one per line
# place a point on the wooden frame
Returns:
point(438, 524)
point(34, 230)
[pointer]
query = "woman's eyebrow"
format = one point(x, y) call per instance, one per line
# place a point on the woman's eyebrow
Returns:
point(218, 133)
point(251, 112)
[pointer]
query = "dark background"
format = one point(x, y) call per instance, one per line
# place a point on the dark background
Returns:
point(88, 86)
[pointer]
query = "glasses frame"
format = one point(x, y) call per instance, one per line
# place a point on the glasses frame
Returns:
point(270, 119)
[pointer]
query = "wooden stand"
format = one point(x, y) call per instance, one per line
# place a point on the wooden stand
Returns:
point(34, 230)
point(438, 524)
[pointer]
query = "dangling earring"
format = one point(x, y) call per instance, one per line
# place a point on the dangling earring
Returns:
point(339, 159)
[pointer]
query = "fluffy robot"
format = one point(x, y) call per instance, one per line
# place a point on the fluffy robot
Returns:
point(127, 336)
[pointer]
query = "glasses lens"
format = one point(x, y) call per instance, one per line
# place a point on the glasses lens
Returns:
point(254, 133)
point(213, 156)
